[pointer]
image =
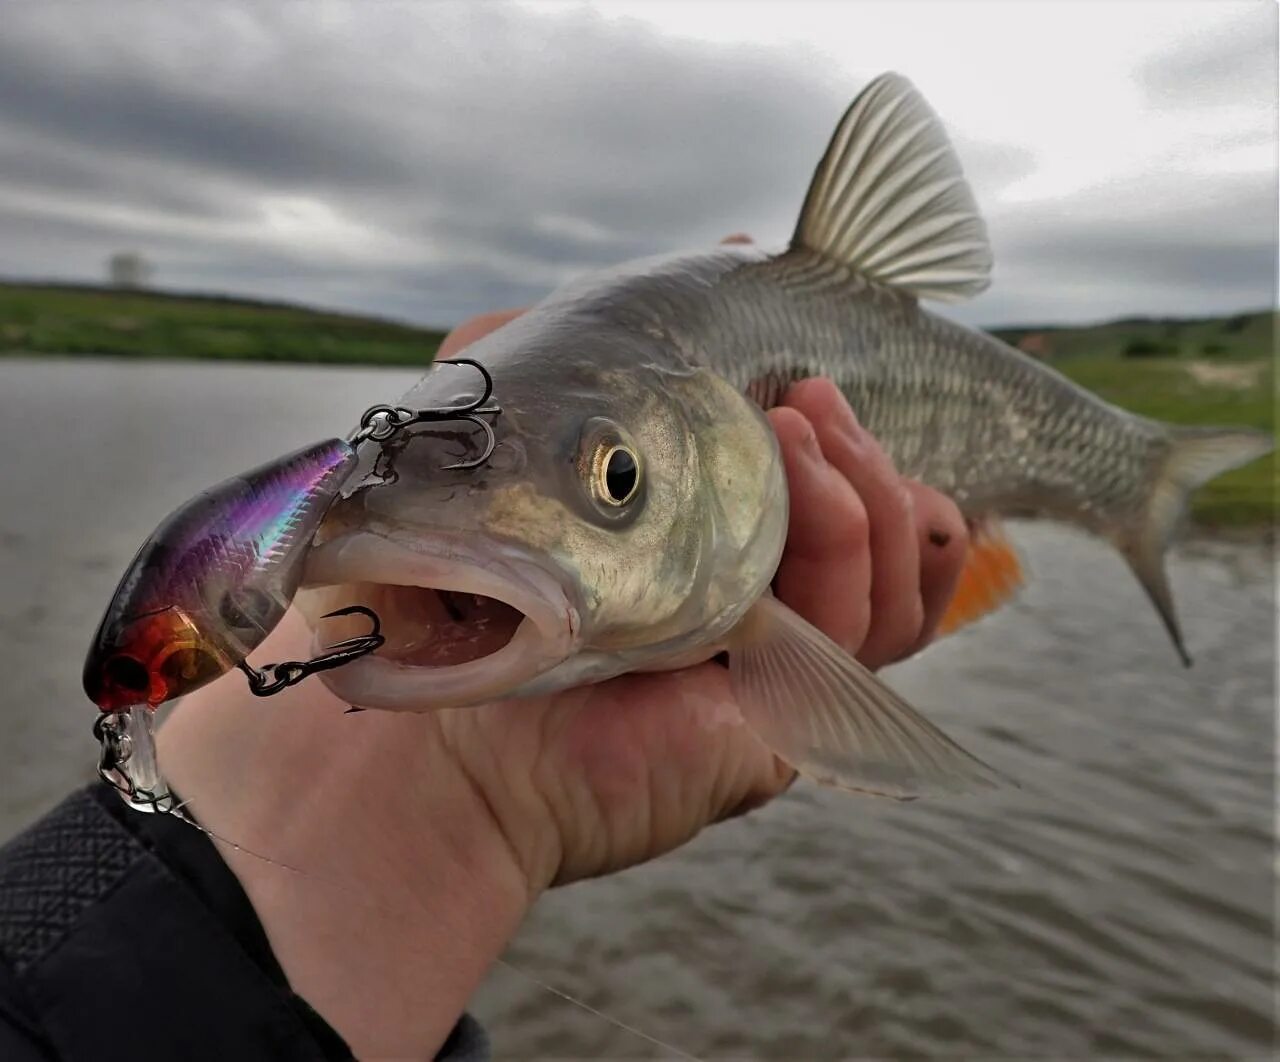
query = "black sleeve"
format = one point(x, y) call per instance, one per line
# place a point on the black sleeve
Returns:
point(125, 936)
point(21, 1039)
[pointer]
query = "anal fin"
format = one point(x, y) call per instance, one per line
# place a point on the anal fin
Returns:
point(991, 577)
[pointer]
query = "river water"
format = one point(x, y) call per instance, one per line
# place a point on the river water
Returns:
point(1120, 903)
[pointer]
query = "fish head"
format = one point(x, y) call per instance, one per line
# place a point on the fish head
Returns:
point(631, 510)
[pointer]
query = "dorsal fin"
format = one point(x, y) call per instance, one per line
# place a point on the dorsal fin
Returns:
point(890, 201)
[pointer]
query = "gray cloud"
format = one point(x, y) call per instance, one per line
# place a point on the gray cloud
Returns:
point(35, 163)
point(1235, 64)
point(479, 155)
point(453, 130)
point(124, 111)
point(1158, 245)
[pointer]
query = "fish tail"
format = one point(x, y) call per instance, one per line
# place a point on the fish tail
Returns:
point(1195, 456)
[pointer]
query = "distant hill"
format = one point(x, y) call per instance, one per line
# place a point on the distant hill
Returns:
point(83, 319)
point(1203, 370)
point(1238, 336)
point(1216, 370)
point(38, 318)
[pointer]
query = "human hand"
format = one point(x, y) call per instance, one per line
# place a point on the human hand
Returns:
point(469, 814)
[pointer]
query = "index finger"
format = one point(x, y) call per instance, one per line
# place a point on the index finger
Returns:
point(897, 614)
point(825, 573)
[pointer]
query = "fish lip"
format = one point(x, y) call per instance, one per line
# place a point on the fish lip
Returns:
point(550, 632)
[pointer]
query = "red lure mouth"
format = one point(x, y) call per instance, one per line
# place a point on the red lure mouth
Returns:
point(155, 658)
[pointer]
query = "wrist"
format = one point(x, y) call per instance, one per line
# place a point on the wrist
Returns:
point(399, 886)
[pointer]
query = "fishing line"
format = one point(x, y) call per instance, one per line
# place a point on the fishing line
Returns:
point(179, 812)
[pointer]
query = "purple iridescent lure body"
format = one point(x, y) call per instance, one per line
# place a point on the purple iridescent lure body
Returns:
point(213, 579)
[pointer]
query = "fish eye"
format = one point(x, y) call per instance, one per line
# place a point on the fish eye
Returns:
point(616, 473)
point(126, 673)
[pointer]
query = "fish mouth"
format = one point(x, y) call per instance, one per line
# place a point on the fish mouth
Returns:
point(466, 620)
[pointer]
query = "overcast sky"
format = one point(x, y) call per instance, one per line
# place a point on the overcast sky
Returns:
point(428, 161)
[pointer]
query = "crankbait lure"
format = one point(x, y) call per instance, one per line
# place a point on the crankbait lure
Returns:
point(214, 579)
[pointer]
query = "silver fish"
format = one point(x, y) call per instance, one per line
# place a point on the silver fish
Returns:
point(635, 509)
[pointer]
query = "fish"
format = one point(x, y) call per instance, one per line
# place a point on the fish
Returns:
point(212, 580)
point(634, 510)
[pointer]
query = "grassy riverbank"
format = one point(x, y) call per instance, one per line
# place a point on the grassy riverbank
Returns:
point(1218, 370)
point(55, 319)
point(1207, 371)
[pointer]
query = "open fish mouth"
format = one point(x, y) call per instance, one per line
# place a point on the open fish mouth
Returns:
point(465, 620)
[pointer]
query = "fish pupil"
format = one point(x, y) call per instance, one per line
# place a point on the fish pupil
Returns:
point(126, 673)
point(620, 475)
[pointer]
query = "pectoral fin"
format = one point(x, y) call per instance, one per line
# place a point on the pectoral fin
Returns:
point(829, 717)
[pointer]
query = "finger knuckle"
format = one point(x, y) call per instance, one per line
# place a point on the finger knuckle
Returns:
point(903, 619)
point(912, 622)
point(897, 629)
point(856, 526)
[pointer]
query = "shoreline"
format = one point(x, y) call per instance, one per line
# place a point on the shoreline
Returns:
point(1252, 528)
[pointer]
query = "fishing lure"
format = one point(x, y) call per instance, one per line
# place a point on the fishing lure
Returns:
point(216, 577)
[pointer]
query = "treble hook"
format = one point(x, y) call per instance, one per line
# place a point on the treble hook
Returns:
point(490, 443)
point(381, 422)
point(273, 678)
point(113, 744)
point(115, 748)
point(471, 414)
point(478, 405)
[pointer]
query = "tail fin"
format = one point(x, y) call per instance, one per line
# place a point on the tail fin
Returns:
point(1197, 455)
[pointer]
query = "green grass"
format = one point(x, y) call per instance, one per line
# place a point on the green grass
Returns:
point(1164, 389)
point(1147, 365)
point(1144, 365)
point(1238, 337)
point(52, 319)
